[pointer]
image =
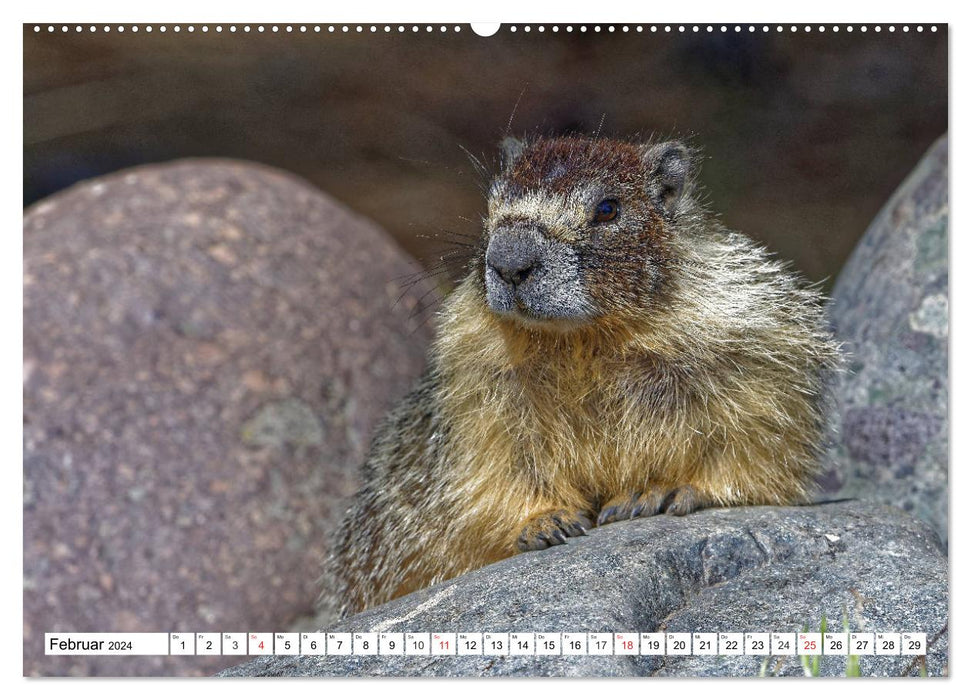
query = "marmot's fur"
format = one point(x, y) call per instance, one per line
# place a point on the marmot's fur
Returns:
point(614, 352)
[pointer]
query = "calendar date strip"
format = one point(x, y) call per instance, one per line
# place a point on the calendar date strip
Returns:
point(486, 644)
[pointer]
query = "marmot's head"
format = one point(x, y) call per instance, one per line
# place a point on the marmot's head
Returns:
point(577, 227)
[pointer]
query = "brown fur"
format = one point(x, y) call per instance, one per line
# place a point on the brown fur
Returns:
point(696, 382)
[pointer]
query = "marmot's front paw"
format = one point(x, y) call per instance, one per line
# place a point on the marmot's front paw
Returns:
point(679, 501)
point(552, 528)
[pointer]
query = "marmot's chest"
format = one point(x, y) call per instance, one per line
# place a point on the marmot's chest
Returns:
point(521, 443)
point(596, 425)
point(612, 395)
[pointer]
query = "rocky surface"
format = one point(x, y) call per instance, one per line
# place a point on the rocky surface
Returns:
point(890, 309)
point(207, 346)
point(741, 570)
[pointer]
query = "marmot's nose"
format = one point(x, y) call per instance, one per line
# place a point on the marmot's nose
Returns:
point(513, 259)
point(515, 275)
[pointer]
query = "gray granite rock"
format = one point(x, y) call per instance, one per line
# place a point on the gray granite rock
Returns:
point(207, 346)
point(760, 569)
point(890, 309)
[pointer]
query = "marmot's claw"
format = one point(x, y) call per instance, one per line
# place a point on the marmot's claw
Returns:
point(607, 515)
point(679, 501)
point(683, 500)
point(552, 528)
point(574, 527)
point(620, 508)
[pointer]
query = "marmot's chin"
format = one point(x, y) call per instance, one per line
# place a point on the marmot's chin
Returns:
point(538, 316)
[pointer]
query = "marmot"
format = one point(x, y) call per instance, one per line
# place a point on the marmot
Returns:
point(614, 352)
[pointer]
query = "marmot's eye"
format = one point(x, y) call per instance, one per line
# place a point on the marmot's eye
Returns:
point(606, 210)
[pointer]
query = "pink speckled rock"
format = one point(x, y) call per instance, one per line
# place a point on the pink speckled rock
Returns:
point(207, 347)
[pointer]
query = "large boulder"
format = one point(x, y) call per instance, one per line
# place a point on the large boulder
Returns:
point(207, 346)
point(890, 309)
point(760, 569)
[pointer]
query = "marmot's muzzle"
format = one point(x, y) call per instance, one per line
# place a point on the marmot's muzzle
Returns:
point(515, 254)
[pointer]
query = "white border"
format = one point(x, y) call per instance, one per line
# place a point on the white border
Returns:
point(510, 10)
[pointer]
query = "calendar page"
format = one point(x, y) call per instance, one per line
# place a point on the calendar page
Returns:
point(561, 349)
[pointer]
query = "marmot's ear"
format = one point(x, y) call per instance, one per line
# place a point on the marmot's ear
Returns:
point(668, 167)
point(512, 149)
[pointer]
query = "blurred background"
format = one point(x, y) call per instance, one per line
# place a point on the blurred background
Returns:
point(805, 135)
